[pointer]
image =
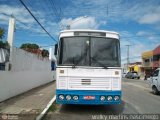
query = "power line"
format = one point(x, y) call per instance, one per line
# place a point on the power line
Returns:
point(16, 19)
point(132, 58)
point(52, 3)
point(37, 20)
point(19, 21)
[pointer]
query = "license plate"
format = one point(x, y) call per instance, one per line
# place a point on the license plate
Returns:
point(89, 97)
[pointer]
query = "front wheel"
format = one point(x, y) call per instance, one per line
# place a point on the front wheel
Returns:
point(154, 90)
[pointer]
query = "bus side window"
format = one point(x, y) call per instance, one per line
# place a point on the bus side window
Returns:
point(55, 49)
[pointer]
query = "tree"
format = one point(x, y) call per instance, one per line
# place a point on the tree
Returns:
point(29, 46)
point(2, 32)
point(33, 48)
point(45, 53)
point(3, 44)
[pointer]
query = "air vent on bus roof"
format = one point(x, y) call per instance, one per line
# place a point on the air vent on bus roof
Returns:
point(89, 34)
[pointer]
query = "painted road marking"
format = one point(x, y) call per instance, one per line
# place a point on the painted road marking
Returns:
point(39, 117)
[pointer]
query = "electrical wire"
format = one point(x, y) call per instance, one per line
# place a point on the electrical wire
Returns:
point(37, 20)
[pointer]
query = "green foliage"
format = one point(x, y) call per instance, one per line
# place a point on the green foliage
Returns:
point(2, 32)
point(4, 44)
point(29, 46)
point(34, 48)
point(45, 53)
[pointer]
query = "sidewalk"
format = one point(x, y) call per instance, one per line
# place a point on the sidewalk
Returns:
point(31, 102)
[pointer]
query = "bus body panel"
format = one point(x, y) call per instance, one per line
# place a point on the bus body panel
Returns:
point(88, 79)
point(82, 93)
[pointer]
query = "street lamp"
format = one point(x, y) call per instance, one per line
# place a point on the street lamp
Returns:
point(69, 26)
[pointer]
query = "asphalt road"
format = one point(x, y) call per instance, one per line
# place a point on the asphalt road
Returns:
point(137, 98)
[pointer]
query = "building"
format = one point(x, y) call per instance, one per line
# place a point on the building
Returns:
point(156, 57)
point(133, 67)
point(150, 61)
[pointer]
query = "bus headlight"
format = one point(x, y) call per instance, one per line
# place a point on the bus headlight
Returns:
point(109, 98)
point(102, 98)
point(61, 97)
point(116, 98)
point(75, 97)
point(68, 97)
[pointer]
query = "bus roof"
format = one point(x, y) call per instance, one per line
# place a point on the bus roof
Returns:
point(89, 30)
point(111, 34)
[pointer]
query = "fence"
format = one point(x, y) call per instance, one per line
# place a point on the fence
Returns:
point(26, 71)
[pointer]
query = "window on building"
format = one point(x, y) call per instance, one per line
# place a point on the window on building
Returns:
point(156, 57)
point(146, 60)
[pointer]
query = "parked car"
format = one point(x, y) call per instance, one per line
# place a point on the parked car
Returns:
point(132, 75)
point(155, 81)
point(128, 75)
point(124, 75)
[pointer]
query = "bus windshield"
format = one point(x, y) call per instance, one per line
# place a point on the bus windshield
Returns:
point(89, 51)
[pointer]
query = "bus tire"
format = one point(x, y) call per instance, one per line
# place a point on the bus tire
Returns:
point(154, 90)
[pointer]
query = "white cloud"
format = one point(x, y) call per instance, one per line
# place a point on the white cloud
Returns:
point(141, 42)
point(149, 36)
point(144, 13)
point(119, 11)
point(150, 18)
point(140, 33)
point(82, 23)
point(19, 12)
point(135, 51)
point(26, 22)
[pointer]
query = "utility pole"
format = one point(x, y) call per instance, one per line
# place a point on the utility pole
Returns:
point(10, 39)
point(11, 29)
point(128, 55)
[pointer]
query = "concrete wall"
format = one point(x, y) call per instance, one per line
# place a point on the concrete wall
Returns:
point(27, 71)
point(25, 61)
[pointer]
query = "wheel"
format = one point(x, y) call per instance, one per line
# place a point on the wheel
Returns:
point(154, 90)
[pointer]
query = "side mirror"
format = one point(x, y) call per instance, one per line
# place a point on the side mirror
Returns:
point(55, 49)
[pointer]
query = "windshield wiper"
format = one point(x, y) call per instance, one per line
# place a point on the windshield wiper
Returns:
point(103, 65)
point(80, 59)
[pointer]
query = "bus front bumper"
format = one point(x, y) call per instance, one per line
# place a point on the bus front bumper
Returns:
point(93, 97)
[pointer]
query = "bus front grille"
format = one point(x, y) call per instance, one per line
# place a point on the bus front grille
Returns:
point(90, 83)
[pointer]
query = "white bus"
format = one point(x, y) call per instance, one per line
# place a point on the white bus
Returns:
point(88, 67)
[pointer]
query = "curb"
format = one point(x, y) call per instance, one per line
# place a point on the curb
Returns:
point(40, 116)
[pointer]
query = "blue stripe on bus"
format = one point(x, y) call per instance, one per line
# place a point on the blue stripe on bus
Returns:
point(82, 93)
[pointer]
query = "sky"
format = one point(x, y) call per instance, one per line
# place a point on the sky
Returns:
point(137, 21)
